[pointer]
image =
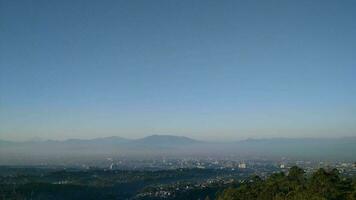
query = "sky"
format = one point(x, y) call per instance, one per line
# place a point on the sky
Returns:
point(211, 70)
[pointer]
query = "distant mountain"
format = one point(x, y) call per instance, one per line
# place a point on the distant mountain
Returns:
point(166, 140)
point(113, 140)
point(322, 148)
point(105, 144)
point(169, 145)
point(153, 140)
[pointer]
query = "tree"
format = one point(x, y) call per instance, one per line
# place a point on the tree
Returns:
point(322, 185)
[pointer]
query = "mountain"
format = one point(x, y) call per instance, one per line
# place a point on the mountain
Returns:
point(166, 140)
point(113, 140)
point(169, 145)
point(322, 148)
point(153, 140)
point(105, 145)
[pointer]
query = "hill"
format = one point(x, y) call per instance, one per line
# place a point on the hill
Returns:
point(168, 145)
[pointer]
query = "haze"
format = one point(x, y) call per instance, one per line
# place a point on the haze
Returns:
point(210, 70)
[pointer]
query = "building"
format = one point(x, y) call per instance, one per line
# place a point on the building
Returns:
point(242, 165)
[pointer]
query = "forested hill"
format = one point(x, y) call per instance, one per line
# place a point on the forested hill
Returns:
point(321, 185)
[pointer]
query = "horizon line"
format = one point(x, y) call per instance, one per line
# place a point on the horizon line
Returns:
point(38, 139)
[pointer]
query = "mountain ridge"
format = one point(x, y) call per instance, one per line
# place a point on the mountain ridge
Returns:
point(161, 136)
point(148, 139)
point(170, 145)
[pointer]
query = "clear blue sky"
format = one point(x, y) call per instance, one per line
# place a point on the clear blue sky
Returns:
point(214, 70)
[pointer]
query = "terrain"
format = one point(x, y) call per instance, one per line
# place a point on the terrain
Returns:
point(54, 151)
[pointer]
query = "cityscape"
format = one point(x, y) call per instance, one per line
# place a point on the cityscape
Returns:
point(177, 100)
point(164, 178)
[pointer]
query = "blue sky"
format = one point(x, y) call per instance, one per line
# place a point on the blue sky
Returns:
point(214, 70)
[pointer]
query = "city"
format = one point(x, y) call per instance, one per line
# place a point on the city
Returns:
point(177, 100)
point(149, 179)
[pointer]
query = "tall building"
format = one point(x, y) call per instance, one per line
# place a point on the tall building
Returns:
point(242, 165)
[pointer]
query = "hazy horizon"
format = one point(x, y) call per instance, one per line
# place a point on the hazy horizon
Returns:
point(177, 99)
point(208, 70)
point(222, 140)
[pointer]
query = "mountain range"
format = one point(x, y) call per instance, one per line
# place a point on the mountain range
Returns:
point(169, 145)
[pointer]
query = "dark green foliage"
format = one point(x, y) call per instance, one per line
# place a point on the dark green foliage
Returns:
point(321, 185)
point(104, 184)
point(191, 184)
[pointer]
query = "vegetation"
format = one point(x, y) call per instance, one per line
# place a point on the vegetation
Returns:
point(321, 185)
point(30, 183)
point(180, 184)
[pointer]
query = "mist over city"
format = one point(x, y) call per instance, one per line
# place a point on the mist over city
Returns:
point(168, 99)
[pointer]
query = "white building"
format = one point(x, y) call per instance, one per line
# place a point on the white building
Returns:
point(242, 165)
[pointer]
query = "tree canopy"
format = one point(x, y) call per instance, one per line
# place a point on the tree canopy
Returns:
point(321, 185)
